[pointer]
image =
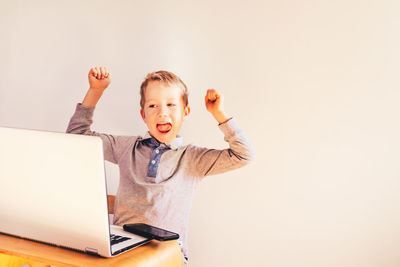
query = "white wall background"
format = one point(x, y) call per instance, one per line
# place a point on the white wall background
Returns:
point(314, 84)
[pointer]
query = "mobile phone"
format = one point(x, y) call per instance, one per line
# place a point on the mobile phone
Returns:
point(149, 231)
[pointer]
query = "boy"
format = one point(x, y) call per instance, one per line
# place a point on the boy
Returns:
point(159, 175)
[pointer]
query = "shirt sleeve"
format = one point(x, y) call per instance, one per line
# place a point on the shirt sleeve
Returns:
point(207, 161)
point(113, 146)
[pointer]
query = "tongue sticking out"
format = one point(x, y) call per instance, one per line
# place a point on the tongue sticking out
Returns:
point(164, 128)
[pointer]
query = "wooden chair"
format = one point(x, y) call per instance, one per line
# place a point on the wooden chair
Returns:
point(110, 202)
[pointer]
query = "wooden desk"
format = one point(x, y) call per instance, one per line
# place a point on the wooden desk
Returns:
point(19, 252)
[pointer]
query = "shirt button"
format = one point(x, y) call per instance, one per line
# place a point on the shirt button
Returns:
point(157, 151)
point(153, 162)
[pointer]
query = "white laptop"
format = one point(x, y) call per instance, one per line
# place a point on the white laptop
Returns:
point(53, 190)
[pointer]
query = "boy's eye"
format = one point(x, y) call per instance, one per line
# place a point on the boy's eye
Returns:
point(152, 106)
point(171, 105)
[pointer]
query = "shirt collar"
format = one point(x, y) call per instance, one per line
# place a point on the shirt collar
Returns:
point(174, 144)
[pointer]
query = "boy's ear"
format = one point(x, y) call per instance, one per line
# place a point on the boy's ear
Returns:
point(187, 112)
point(142, 113)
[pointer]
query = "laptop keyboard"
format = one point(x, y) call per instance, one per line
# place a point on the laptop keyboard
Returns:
point(115, 239)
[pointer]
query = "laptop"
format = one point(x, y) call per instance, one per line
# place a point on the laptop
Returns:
point(53, 190)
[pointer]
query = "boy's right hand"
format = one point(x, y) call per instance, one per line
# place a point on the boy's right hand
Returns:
point(99, 78)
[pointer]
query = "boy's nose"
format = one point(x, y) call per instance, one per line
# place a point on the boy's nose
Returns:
point(163, 111)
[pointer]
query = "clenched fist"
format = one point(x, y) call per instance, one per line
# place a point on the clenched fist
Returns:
point(214, 105)
point(99, 78)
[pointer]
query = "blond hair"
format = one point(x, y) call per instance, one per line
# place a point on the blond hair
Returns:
point(165, 77)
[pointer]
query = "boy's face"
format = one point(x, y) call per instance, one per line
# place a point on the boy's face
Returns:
point(163, 111)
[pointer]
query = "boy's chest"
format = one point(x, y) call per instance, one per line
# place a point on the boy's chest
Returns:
point(153, 165)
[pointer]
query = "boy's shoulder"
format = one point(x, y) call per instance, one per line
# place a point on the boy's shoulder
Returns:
point(123, 142)
point(194, 149)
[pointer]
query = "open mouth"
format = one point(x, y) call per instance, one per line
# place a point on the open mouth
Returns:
point(164, 127)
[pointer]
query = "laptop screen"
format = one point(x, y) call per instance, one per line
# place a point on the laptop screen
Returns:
point(53, 188)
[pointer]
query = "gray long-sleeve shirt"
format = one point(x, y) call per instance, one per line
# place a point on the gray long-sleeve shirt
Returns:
point(157, 180)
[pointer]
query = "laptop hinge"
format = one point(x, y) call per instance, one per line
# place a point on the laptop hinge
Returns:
point(91, 251)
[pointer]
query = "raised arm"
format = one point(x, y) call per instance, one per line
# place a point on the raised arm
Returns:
point(99, 79)
point(214, 161)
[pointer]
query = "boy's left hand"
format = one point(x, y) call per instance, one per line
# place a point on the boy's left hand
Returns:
point(214, 101)
point(214, 105)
